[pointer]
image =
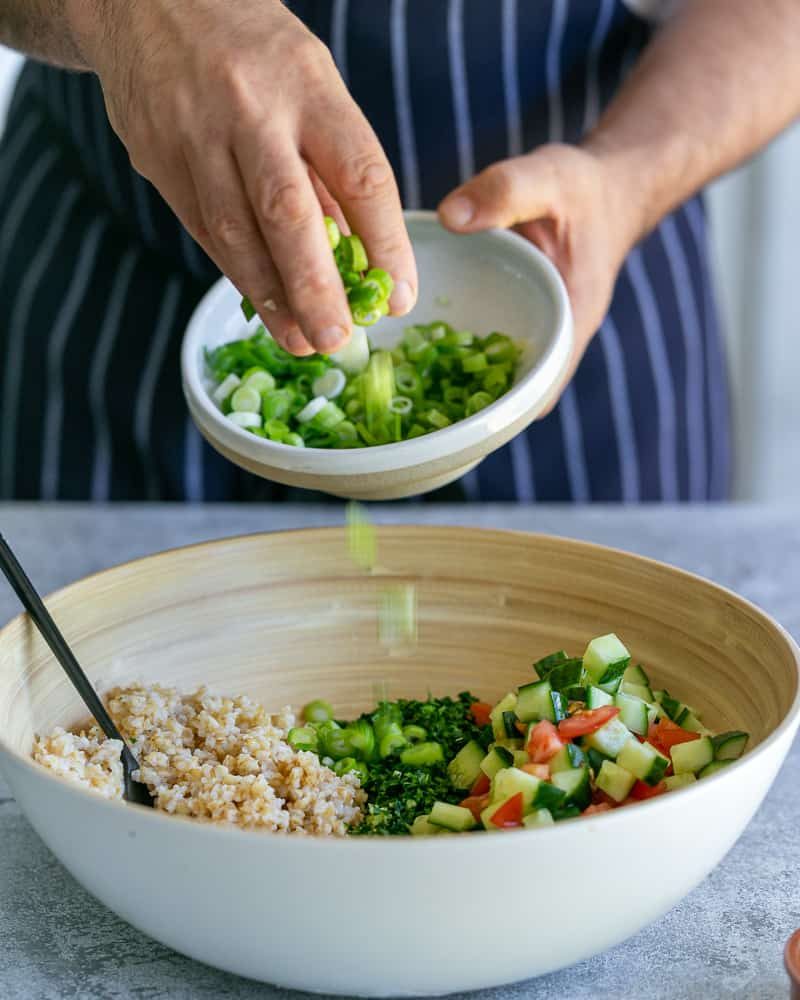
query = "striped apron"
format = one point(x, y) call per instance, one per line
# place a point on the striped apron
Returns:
point(98, 279)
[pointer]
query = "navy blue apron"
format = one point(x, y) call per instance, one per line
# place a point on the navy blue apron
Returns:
point(98, 279)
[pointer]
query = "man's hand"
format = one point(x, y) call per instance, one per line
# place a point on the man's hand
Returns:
point(237, 114)
point(561, 199)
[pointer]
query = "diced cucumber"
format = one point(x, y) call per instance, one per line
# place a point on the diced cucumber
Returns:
point(568, 811)
point(465, 768)
point(688, 719)
point(510, 721)
point(512, 745)
point(670, 705)
point(596, 698)
point(636, 675)
point(520, 757)
point(511, 780)
point(643, 761)
point(575, 693)
point(692, 756)
point(675, 781)
point(633, 712)
point(538, 701)
point(496, 759)
point(566, 674)
point(542, 817)
point(610, 738)
point(612, 686)
point(567, 758)
point(615, 781)
point(575, 784)
point(637, 690)
point(507, 704)
point(595, 759)
point(713, 767)
point(422, 827)
point(605, 659)
point(450, 817)
point(548, 796)
point(488, 812)
point(548, 663)
point(730, 746)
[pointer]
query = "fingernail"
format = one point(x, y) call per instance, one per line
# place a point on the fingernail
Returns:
point(331, 339)
point(402, 299)
point(458, 211)
point(297, 343)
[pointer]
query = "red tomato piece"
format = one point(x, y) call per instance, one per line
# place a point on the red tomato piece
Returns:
point(537, 770)
point(641, 790)
point(597, 807)
point(586, 721)
point(480, 711)
point(544, 742)
point(481, 786)
point(668, 734)
point(476, 804)
point(509, 814)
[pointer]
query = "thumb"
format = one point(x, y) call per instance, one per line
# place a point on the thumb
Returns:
point(504, 195)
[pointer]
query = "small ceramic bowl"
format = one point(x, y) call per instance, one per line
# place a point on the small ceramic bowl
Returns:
point(288, 617)
point(489, 281)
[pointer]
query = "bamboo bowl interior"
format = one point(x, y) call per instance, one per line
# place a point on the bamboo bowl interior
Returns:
point(287, 617)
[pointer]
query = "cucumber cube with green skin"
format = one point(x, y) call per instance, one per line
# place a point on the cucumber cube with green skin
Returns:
point(692, 756)
point(566, 674)
point(542, 817)
point(609, 739)
point(713, 767)
point(507, 704)
point(488, 812)
point(450, 817)
point(520, 757)
point(689, 721)
point(495, 760)
point(596, 697)
point(537, 701)
point(567, 758)
point(575, 693)
point(615, 781)
point(548, 796)
point(671, 705)
point(729, 746)
point(465, 768)
point(511, 780)
point(612, 686)
point(548, 663)
point(510, 721)
point(595, 759)
point(637, 690)
point(636, 675)
point(643, 761)
point(575, 784)
point(605, 659)
point(675, 781)
point(422, 827)
point(633, 712)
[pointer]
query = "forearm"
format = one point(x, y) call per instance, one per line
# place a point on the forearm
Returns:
point(42, 29)
point(718, 82)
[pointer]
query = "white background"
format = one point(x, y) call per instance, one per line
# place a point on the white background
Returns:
point(756, 225)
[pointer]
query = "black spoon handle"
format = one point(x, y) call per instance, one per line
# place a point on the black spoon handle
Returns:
point(51, 633)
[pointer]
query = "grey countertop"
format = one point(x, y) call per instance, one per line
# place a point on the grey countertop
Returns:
point(724, 940)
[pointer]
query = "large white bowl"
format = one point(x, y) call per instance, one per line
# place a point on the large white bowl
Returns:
point(287, 618)
point(492, 281)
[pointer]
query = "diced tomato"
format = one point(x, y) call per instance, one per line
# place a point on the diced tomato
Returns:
point(481, 786)
point(476, 804)
point(641, 790)
point(597, 807)
point(509, 814)
point(537, 770)
point(480, 711)
point(544, 742)
point(665, 734)
point(586, 721)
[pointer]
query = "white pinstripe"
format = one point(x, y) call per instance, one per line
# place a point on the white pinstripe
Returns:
point(57, 341)
point(662, 375)
point(568, 413)
point(143, 409)
point(458, 86)
point(193, 464)
point(693, 346)
point(339, 36)
point(717, 483)
point(402, 103)
point(27, 192)
point(511, 76)
point(105, 156)
point(21, 308)
point(98, 381)
point(621, 412)
point(10, 154)
point(602, 24)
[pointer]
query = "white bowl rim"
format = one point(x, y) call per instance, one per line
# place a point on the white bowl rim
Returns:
point(222, 830)
point(536, 385)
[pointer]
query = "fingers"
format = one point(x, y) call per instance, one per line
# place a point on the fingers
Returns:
point(235, 242)
point(348, 157)
point(503, 195)
point(287, 212)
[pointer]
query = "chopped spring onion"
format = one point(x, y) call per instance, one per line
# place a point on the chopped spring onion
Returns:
point(398, 615)
point(333, 231)
point(245, 419)
point(310, 410)
point(225, 388)
point(361, 539)
point(330, 384)
point(378, 386)
point(246, 400)
point(402, 405)
point(354, 356)
point(318, 711)
point(260, 380)
point(294, 440)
